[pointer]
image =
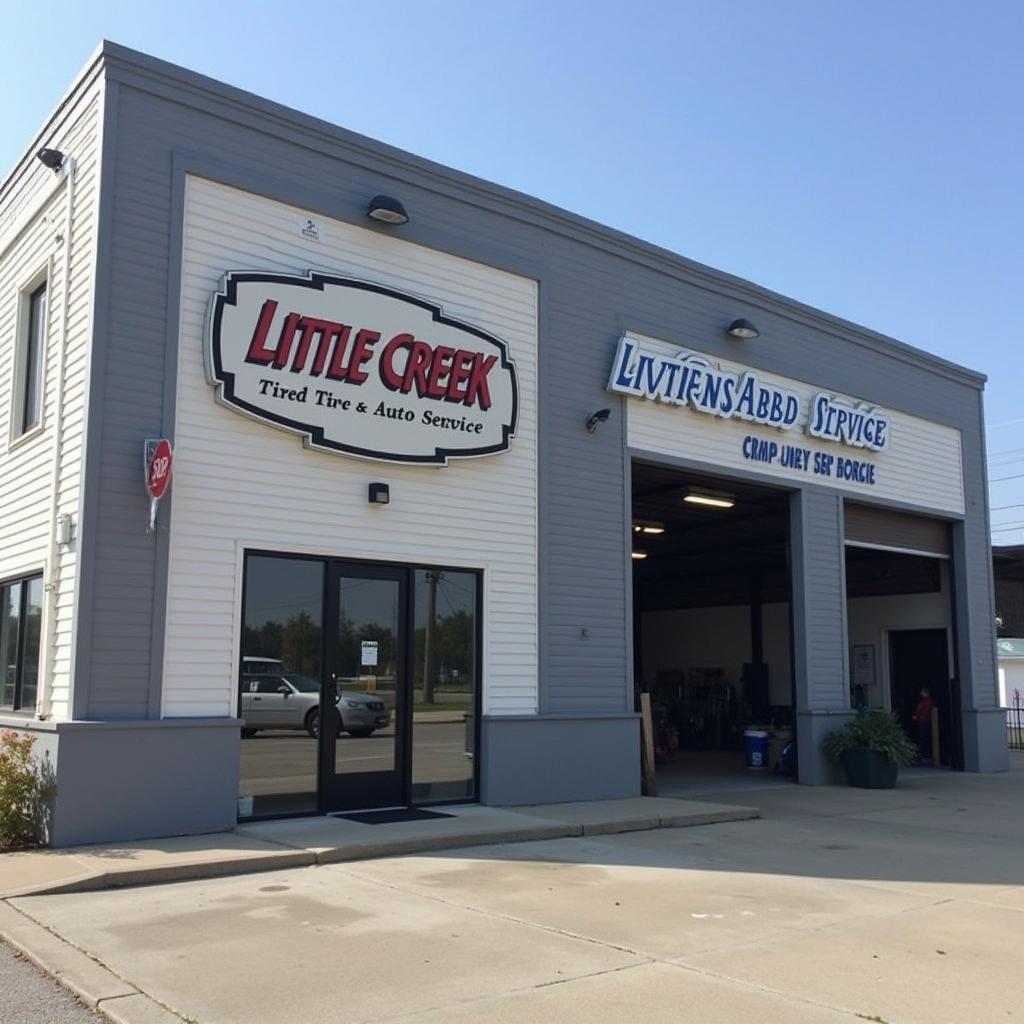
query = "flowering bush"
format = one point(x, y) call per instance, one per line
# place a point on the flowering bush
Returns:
point(25, 789)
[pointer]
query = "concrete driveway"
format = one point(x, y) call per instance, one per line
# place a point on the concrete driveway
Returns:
point(839, 905)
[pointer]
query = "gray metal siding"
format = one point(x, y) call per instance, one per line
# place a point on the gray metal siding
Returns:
point(594, 283)
point(975, 593)
point(819, 600)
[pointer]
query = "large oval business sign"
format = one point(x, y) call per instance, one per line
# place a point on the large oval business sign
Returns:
point(358, 368)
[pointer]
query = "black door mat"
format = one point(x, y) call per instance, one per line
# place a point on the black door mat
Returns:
point(391, 816)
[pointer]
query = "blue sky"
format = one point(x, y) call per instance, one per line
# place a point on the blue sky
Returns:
point(866, 158)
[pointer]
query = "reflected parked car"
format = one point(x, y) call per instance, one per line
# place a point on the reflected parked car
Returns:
point(287, 700)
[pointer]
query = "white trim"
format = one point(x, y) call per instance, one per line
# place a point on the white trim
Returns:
point(894, 549)
point(22, 319)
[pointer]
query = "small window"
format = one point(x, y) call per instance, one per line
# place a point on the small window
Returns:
point(21, 613)
point(28, 412)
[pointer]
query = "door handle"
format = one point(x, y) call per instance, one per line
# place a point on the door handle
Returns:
point(257, 698)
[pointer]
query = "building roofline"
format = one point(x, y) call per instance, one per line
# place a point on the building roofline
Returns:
point(79, 84)
point(510, 202)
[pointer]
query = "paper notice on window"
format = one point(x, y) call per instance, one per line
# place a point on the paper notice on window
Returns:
point(369, 653)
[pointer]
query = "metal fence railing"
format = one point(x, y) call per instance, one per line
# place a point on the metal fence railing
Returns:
point(1015, 722)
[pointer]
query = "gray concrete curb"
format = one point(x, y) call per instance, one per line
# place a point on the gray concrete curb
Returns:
point(88, 979)
point(535, 826)
point(184, 872)
point(429, 844)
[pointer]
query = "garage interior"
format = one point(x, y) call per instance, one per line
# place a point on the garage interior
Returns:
point(712, 632)
point(900, 622)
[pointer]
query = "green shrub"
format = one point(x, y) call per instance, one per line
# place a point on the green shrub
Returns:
point(26, 787)
point(877, 731)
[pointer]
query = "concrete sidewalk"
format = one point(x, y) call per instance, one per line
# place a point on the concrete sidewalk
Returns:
point(300, 842)
point(840, 906)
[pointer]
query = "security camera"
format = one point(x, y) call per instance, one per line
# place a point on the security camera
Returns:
point(600, 416)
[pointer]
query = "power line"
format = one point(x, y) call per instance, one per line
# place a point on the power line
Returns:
point(1003, 508)
point(1000, 479)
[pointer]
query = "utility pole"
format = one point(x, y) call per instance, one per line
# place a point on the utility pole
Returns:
point(433, 578)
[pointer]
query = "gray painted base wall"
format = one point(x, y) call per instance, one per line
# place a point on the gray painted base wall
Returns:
point(813, 768)
point(119, 781)
point(557, 759)
point(985, 743)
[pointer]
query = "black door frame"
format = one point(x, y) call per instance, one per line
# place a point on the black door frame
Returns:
point(334, 568)
point(358, 791)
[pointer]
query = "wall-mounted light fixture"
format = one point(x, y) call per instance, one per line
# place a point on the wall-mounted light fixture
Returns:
point(601, 416)
point(742, 329)
point(65, 529)
point(380, 494)
point(713, 499)
point(648, 526)
point(52, 158)
point(387, 210)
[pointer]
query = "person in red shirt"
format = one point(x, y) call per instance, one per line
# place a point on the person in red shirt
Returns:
point(923, 723)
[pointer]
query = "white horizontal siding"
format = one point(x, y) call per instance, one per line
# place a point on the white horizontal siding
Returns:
point(921, 466)
point(241, 484)
point(32, 224)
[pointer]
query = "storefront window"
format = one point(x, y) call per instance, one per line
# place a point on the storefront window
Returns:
point(443, 685)
point(279, 690)
point(21, 614)
point(10, 611)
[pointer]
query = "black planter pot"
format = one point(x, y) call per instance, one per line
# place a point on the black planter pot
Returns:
point(868, 769)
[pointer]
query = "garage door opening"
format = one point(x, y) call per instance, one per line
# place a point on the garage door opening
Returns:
point(712, 631)
point(901, 625)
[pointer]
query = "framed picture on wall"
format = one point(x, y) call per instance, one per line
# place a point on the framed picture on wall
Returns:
point(862, 666)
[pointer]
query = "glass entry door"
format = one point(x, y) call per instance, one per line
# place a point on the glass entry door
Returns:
point(358, 685)
point(364, 755)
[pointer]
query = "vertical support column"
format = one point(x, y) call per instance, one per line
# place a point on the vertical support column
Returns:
point(985, 747)
point(819, 626)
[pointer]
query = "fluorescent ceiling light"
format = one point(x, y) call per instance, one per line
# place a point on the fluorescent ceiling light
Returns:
point(639, 556)
point(648, 527)
point(714, 499)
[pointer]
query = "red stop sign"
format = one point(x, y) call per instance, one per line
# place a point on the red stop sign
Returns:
point(158, 471)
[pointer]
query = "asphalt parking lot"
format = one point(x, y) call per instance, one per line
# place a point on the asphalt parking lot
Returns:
point(28, 996)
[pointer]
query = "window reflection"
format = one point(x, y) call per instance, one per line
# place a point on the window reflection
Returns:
point(368, 663)
point(21, 617)
point(10, 612)
point(279, 692)
point(444, 683)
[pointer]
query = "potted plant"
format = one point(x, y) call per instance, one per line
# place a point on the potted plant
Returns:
point(871, 749)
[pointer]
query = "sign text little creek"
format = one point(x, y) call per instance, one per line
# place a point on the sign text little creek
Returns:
point(693, 381)
point(359, 368)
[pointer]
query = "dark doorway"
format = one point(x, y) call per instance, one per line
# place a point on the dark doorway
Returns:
point(920, 658)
